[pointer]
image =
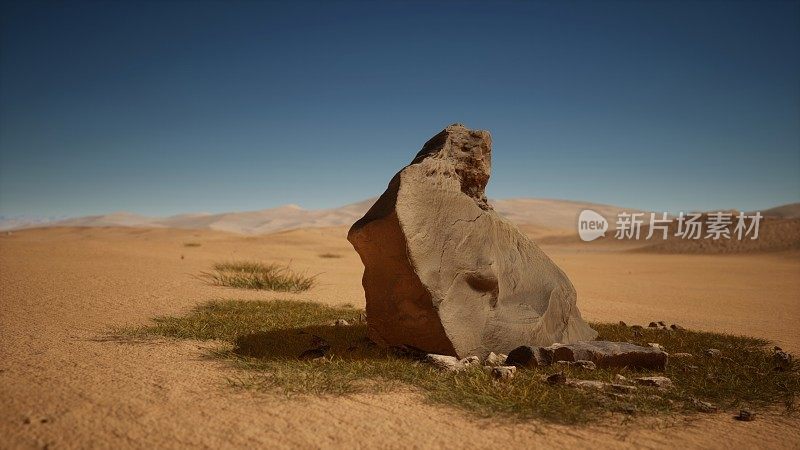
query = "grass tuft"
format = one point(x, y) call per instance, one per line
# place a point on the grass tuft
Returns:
point(264, 339)
point(192, 244)
point(258, 275)
point(329, 255)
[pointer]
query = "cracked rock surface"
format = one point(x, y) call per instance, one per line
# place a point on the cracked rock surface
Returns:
point(446, 274)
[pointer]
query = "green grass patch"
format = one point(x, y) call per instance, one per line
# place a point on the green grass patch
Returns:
point(263, 339)
point(258, 275)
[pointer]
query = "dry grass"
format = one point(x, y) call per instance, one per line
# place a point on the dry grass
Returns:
point(192, 244)
point(265, 338)
point(329, 255)
point(258, 275)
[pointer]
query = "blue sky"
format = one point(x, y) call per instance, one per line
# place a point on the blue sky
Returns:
point(169, 107)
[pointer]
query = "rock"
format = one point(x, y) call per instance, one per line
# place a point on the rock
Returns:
point(622, 324)
point(653, 325)
point(341, 323)
point(681, 355)
point(525, 356)
point(587, 365)
point(443, 272)
point(677, 327)
point(556, 378)
point(712, 352)
point(745, 416)
point(619, 377)
point(587, 384)
point(782, 360)
point(608, 354)
point(703, 406)
point(637, 327)
point(445, 362)
point(503, 373)
point(661, 323)
point(656, 346)
point(660, 382)
point(471, 361)
point(319, 348)
point(496, 360)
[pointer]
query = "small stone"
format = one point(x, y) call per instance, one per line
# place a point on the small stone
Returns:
point(496, 360)
point(470, 361)
point(622, 324)
point(653, 325)
point(314, 353)
point(525, 356)
point(637, 327)
point(661, 323)
point(782, 360)
point(503, 373)
point(341, 323)
point(444, 362)
point(703, 406)
point(556, 378)
point(681, 355)
point(712, 352)
point(608, 354)
point(619, 377)
point(587, 384)
point(656, 346)
point(746, 416)
point(659, 382)
point(676, 327)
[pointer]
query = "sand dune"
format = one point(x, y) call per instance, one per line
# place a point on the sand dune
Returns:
point(543, 214)
point(61, 386)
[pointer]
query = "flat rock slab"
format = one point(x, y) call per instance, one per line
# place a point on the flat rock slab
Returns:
point(601, 353)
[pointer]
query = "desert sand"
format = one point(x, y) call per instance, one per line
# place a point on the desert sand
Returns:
point(63, 386)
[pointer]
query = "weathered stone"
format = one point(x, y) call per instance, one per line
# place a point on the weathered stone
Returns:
point(525, 356)
point(745, 416)
point(782, 360)
point(712, 352)
point(656, 346)
point(652, 325)
point(341, 323)
point(445, 273)
point(676, 327)
point(556, 378)
point(681, 355)
point(703, 406)
point(470, 361)
point(445, 362)
point(496, 360)
point(624, 388)
point(587, 384)
point(660, 382)
point(503, 373)
point(608, 354)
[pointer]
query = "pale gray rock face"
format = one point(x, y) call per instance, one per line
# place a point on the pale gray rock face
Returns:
point(445, 274)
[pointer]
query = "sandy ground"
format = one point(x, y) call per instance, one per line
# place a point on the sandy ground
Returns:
point(62, 387)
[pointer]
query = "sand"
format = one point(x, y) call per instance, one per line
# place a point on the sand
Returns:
point(62, 386)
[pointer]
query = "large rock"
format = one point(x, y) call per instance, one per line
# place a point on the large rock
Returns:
point(445, 274)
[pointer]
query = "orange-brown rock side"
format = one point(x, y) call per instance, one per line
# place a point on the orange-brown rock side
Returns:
point(399, 308)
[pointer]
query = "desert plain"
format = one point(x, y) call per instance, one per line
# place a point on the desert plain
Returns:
point(62, 385)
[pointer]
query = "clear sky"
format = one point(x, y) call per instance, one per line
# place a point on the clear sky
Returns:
point(168, 107)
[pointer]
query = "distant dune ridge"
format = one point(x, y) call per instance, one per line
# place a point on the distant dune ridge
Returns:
point(548, 214)
point(554, 221)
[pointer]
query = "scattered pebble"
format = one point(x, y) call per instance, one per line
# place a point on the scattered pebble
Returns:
point(782, 360)
point(681, 355)
point(703, 406)
point(556, 378)
point(444, 362)
point(677, 327)
point(661, 323)
point(503, 373)
point(496, 360)
point(745, 416)
point(712, 352)
point(653, 325)
point(622, 324)
point(656, 345)
point(341, 323)
point(589, 384)
point(624, 388)
point(470, 361)
point(619, 377)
